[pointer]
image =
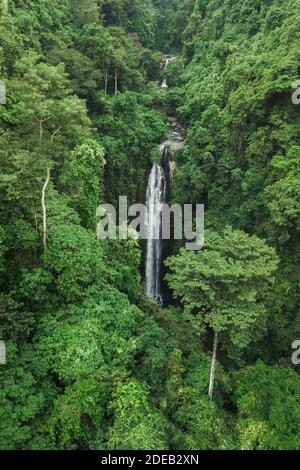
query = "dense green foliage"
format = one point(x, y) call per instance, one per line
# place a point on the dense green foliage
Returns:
point(91, 362)
point(223, 287)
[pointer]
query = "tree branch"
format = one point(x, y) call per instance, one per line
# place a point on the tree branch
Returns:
point(55, 132)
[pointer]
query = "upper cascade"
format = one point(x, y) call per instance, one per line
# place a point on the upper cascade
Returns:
point(164, 62)
point(176, 137)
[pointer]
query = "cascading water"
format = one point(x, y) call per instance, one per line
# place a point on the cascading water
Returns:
point(155, 198)
point(166, 63)
point(157, 194)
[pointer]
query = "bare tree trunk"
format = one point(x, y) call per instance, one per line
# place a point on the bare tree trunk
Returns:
point(45, 210)
point(36, 222)
point(116, 80)
point(213, 367)
point(41, 122)
point(41, 130)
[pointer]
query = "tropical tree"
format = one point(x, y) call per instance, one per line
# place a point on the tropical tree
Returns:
point(222, 288)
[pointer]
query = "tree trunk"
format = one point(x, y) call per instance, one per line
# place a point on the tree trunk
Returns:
point(41, 124)
point(116, 80)
point(45, 210)
point(36, 222)
point(213, 367)
point(41, 130)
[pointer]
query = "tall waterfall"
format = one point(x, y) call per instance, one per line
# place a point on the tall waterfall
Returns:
point(156, 196)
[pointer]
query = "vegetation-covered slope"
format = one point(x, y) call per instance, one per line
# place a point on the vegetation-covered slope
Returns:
point(242, 153)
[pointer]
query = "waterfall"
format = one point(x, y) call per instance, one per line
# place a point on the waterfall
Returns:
point(165, 83)
point(156, 196)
